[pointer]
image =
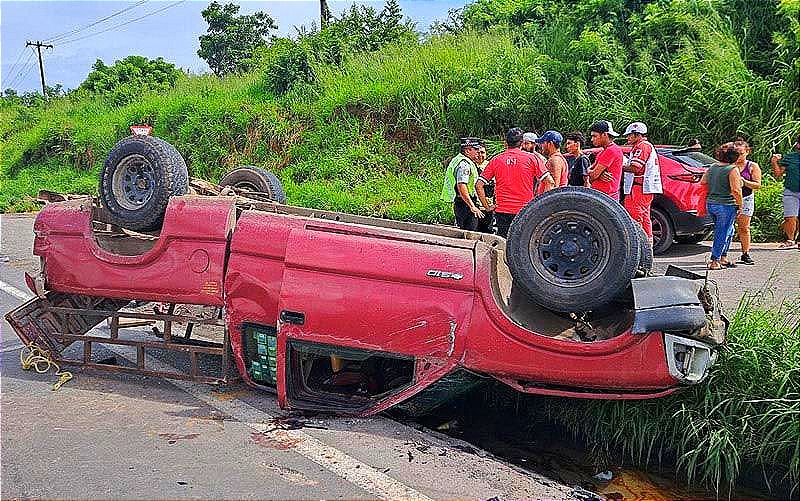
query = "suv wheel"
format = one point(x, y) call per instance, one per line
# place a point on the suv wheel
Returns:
point(663, 232)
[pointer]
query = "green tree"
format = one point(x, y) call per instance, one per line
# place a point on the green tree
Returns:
point(231, 40)
point(130, 77)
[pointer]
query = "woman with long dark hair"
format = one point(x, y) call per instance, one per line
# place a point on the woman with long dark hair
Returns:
point(751, 181)
point(723, 202)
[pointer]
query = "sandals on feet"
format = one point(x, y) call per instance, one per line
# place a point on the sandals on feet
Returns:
point(788, 244)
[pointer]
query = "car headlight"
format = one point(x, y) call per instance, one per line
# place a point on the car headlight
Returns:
point(688, 360)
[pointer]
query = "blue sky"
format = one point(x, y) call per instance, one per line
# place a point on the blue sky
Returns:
point(172, 33)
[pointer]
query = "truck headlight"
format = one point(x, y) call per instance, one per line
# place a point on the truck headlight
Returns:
point(688, 360)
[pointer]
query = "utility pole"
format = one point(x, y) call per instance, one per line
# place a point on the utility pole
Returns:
point(324, 13)
point(39, 46)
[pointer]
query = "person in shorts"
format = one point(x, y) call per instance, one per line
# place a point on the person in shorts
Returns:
point(788, 167)
point(751, 181)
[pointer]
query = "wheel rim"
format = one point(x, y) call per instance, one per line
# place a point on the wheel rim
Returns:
point(246, 186)
point(133, 182)
point(658, 229)
point(569, 249)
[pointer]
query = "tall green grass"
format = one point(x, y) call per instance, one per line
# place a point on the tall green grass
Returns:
point(743, 422)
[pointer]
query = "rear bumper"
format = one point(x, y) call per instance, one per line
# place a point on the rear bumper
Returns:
point(688, 315)
point(687, 223)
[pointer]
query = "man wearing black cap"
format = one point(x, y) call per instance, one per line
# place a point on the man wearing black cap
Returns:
point(515, 173)
point(606, 173)
point(459, 184)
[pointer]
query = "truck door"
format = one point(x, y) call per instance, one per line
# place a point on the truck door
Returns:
point(369, 317)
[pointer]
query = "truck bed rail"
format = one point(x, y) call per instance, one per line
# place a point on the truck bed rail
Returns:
point(56, 321)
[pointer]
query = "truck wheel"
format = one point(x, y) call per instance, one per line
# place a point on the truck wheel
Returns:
point(663, 234)
point(573, 249)
point(645, 251)
point(255, 179)
point(181, 181)
point(138, 178)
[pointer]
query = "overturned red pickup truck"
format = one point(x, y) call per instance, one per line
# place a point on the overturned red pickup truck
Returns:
point(354, 314)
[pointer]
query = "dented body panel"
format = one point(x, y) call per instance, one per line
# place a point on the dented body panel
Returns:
point(405, 308)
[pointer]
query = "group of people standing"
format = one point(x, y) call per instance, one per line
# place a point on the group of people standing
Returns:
point(729, 198)
point(531, 165)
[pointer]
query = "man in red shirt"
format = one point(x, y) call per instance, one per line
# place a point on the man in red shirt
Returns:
point(606, 173)
point(642, 177)
point(515, 173)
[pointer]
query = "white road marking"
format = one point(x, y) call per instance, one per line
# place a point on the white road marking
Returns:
point(13, 291)
point(350, 469)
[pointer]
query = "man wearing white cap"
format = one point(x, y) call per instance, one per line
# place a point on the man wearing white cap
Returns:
point(529, 140)
point(606, 173)
point(642, 177)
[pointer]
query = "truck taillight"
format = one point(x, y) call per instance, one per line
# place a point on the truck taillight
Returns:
point(688, 359)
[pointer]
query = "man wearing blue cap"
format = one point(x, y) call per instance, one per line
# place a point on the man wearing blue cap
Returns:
point(459, 184)
point(550, 143)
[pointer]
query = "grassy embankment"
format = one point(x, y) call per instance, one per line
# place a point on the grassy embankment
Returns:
point(370, 136)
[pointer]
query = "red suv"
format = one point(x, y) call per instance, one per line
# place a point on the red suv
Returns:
point(673, 212)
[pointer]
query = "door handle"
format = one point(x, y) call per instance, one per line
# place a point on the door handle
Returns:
point(293, 317)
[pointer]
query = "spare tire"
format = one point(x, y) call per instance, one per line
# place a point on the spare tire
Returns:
point(255, 180)
point(573, 249)
point(138, 178)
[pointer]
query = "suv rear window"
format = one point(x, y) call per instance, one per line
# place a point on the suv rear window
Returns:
point(691, 158)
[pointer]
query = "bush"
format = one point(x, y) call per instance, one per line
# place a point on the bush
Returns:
point(284, 64)
point(768, 216)
point(129, 78)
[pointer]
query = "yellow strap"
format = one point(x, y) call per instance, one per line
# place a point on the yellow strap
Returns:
point(41, 361)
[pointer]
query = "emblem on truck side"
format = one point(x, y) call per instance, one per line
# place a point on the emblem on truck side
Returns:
point(444, 274)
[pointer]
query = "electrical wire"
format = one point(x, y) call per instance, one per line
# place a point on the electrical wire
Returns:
point(78, 29)
point(122, 24)
point(16, 62)
point(23, 72)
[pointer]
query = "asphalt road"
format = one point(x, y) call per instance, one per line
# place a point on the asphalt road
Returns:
point(122, 436)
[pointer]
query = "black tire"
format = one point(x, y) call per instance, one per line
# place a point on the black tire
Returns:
point(138, 178)
point(663, 231)
point(583, 274)
point(692, 239)
point(255, 179)
point(645, 251)
point(181, 181)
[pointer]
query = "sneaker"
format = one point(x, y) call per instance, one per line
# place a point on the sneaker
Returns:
point(746, 259)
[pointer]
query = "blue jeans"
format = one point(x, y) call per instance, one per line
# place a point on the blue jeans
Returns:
point(724, 217)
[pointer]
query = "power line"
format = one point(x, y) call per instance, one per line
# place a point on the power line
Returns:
point(122, 24)
point(16, 62)
point(24, 70)
point(24, 67)
point(78, 29)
